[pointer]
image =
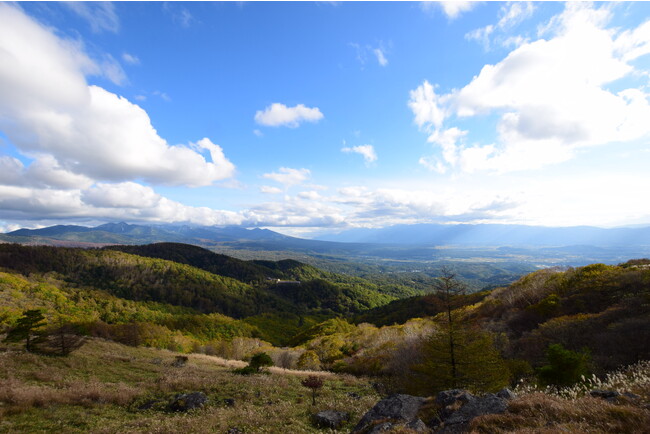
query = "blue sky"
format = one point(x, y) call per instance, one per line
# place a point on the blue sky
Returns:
point(314, 117)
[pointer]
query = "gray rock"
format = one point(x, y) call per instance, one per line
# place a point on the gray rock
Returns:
point(382, 427)
point(330, 419)
point(188, 401)
point(488, 404)
point(229, 402)
point(418, 426)
point(399, 408)
point(609, 395)
point(448, 398)
point(449, 401)
point(632, 396)
point(506, 393)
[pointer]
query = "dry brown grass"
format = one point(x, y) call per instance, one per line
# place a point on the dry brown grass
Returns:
point(541, 413)
point(235, 364)
point(18, 396)
point(100, 387)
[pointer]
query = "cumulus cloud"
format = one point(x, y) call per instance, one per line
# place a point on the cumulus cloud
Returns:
point(288, 176)
point(278, 114)
point(453, 9)
point(295, 212)
point(367, 151)
point(552, 97)
point(122, 195)
point(427, 107)
point(47, 108)
point(105, 201)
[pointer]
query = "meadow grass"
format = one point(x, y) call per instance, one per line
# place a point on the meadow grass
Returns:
point(99, 388)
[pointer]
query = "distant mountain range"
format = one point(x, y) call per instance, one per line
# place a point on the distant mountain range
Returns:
point(125, 233)
point(393, 246)
point(496, 235)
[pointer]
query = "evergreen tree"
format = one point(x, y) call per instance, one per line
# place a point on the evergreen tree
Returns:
point(259, 361)
point(476, 365)
point(27, 329)
point(564, 368)
point(458, 355)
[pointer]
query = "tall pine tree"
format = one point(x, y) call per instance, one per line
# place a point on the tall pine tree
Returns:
point(458, 355)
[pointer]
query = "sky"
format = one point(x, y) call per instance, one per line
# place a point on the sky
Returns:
point(315, 117)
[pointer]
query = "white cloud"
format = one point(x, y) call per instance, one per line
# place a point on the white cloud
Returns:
point(433, 164)
point(294, 212)
point(288, 176)
point(381, 58)
point(365, 51)
point(367, 151)
point(112, 70)
point(122, 201)
point(258, 133)
point(162, 95)
point(427, 106)
point(100, 15)
point(11, 171)
point(551, 96)
point(511, 14)
point(270, 190)
point(278, 114)
point(130, 59)
point(310, 195)
point(47, 108)
point(46, 171)
point(453, 9)
point(448, 142)
point(122, 195)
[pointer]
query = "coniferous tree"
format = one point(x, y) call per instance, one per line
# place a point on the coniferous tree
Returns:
point(458, 355)
point(28, 329)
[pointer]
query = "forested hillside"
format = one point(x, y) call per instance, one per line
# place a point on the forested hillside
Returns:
point(277, 298)
point(595, 318)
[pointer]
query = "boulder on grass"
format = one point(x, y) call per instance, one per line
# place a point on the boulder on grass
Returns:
point(397, 408)
point(330, 419)
point(188, 401)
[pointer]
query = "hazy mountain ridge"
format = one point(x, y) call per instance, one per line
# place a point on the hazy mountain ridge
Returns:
point(495, 235)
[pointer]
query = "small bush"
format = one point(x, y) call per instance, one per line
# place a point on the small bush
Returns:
point(565, 367)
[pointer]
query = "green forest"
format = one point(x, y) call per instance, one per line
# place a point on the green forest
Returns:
point(551, 327)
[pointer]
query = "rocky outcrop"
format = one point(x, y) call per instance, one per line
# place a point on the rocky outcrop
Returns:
point(613, 395)
point(394, 409)
point(455, 410)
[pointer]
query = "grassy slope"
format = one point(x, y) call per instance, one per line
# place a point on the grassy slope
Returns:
point(98, 388)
